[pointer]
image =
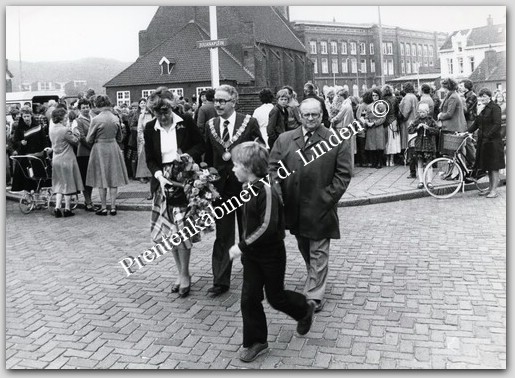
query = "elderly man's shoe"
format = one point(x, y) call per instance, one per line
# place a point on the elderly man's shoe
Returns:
point(319, 305)
point(216, 291)
point(253, 352)
point(304, 324)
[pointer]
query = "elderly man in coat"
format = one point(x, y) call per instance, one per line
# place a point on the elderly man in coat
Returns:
point(311, 185)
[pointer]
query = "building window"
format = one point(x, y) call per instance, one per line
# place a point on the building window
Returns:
point(419, 50)
point(166, 66)
point(402, 48)
point(323, 47)
point(387, 48)
point(334, 65)
point(390, 68)
point(200, 89)
point(415, 67)
point(178, 91)
point(123, 97)
point(315, 66)
point(460, 65)
point(414, 50)
point(431, 51)
point(353, 48)
point(372, 49)
point(354, 65)
point(403, 68)
point(362, 48)
point(408, 66)
point(425, 51)
point(459, 46)
point(344, 47)
point(334, 48)
point(345, 66)
point(471, 63)
point(313, 46)
point(325, 66)
point(363, 66)
point(372, 66)
point(450, 69)
point(145, 93)
point(408, 49)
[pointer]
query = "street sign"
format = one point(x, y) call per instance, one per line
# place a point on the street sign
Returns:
point(212, 43)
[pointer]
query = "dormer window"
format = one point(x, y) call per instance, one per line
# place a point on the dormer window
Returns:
point(166, 66)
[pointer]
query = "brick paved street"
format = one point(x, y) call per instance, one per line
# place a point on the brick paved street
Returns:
point(413, 284)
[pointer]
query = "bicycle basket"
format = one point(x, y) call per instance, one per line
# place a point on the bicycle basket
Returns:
point(451, 142)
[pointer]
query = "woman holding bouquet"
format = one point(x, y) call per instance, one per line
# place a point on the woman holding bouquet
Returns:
point(167, 137)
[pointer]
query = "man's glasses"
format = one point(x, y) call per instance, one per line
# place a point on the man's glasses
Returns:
point(221, 101)
point(310, 115)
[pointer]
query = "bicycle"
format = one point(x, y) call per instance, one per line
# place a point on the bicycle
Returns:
point(445, 176)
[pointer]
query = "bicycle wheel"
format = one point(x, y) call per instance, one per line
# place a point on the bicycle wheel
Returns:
point(445, 177)
point(482, 183)
point(26, 203)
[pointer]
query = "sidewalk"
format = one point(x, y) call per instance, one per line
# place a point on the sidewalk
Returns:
point(368, 186)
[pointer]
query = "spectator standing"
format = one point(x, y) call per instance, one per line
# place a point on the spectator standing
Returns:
point(278, 117)
point(66, 177)
point(309, 92)
point(375, 141)
point(262, 112)
point(106, 168)
point(490, 151)
point(424, 126)
point(142, 171)
point(80, 127)
point(470, 108)
point(408, 113)
point(452, 115)
point(312, 192)
point(224, 132)
point(392, 135)
point(206, 112)
point(263, 254)
point(425, 98)
point(344, 116)
point(294, 119)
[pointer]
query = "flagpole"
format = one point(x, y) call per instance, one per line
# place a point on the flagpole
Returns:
point(19, 49)
point(380, 45)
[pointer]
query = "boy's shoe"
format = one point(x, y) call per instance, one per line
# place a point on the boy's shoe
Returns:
point(420, 185)
point(304, 324)
point(251, 353)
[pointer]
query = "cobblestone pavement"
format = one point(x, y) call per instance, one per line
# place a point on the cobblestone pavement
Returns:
point(412, 284)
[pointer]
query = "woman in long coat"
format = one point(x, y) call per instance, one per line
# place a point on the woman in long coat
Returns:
point(490, 151)
point(373, 121)
point(392, 133)
point(66, 177)
point(106, 167)
point(452, 113)
point(408, 110)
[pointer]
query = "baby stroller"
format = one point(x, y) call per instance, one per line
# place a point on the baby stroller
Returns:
point(37, 169)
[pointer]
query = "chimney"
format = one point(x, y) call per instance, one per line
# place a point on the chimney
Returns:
point(489, 20)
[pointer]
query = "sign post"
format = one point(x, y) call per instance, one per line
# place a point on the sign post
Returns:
point(213, 30)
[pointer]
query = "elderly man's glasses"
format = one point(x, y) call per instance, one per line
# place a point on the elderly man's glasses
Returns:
point(310, 115)
point(221, 101)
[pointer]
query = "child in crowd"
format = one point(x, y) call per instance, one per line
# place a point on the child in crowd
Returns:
point(263, 253)
point(425, 143)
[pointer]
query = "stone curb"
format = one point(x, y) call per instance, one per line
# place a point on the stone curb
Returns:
point(360, 201)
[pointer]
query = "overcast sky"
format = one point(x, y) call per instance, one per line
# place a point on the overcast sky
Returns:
point(56, 33)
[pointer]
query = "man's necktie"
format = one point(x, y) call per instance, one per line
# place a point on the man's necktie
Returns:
point(307, 137)
point(225, 133)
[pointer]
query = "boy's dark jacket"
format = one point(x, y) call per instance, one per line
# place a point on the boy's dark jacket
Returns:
point(263, 219)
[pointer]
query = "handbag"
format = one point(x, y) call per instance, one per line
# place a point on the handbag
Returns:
point(175, 196)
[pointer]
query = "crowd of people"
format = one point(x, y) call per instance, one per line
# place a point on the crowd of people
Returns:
point(97, 145)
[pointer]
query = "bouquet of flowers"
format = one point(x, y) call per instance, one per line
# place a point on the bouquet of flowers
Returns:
point(198, 186)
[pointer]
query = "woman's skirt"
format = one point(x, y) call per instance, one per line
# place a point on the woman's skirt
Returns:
point(142, 170)
point(66, 178)
point(106, 168)
point(393, 139)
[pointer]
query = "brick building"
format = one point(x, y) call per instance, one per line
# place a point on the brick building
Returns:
point(348, 54)
point(262, 51)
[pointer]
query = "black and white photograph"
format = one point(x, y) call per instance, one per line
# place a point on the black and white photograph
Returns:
point(256, 186)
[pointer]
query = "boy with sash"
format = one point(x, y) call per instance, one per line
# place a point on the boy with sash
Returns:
point(222, 134)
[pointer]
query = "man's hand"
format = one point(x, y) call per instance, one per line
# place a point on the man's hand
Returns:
point(24, 142)
point(234, 252)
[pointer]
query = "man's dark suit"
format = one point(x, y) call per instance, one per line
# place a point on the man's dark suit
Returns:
point(227, 186)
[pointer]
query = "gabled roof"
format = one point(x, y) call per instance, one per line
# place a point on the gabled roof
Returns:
point(483, 35)
point(191, 63)
point(270, 28)
point(496, 66)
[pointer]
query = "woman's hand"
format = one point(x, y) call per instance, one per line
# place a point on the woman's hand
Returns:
point(234, 252)
point(163, 181)
point(23, 142)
